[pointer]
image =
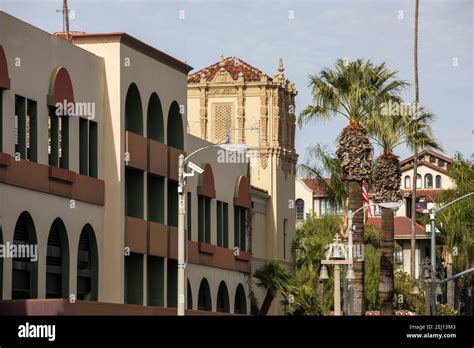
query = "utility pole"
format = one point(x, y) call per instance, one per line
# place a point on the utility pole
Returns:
point(66, 18)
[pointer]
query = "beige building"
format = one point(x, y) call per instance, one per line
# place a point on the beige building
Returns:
point(432, 178)
point(234, 101)
point(101, 205)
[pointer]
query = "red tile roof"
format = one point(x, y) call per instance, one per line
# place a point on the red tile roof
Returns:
point(402, 227)
point(428, 195)
point(315, 186)
point(234, 66)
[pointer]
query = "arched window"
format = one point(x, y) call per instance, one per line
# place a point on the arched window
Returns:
point(240, 303)
point(204, 296)
point(206, 192)
point(155, 119)
point(242, 207)
point(174, 133)
point(428, 181)
point(407, 182)
point(438, 181)
point(1, 258)
point(223, 298)
point(133, 110)
point(190, 296)
point(418, 181)
point(25, 267)
point(299, 209)
point(87, 266)
point(57, 261)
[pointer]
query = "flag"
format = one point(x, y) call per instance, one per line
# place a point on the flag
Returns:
point(365, 199)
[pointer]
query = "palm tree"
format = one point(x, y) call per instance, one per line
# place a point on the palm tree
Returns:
point(273, 277)
point(320, 164)
point(352, 90)
point(415, 151)
point(389, 132)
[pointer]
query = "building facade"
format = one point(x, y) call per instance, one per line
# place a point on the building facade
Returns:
point(432, 178)
point(234, 101)
point(100, 122)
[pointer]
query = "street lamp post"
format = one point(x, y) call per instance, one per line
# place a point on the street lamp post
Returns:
point(182, 175)
point(432, 214)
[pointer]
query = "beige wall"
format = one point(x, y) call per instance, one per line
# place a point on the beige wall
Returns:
point(32, 55)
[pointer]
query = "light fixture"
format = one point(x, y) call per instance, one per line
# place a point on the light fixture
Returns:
point(350, 273)
point(415, 290)
point(234, 147)
point(390, 205)
point(323, 275)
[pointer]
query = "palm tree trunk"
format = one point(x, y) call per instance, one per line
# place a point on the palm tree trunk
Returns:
point(415, 164)
point(267, 302)
point(355, 202)
point(386, 283)
point(413, 217)
point(450, 286)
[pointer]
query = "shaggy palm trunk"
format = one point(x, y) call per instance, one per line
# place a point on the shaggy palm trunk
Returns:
point(267, 301)
point(355, 202)
point(386, 183)
point(386, 281)
point(450, 285)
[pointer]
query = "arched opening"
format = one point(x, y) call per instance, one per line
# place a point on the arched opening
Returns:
point(241, 210)
point(299, 209)
point(223, 298)
point(175, 133)
point(240, 303)
point(204, 296)
point(57, 261)
point(87, 266)
point(133, 110)
point(155, 119)
point(206, 192)
point(190, 296)
point(438, 181)
point(407, 184)
point(428, 181)
point(25, 264)
point(418, 181)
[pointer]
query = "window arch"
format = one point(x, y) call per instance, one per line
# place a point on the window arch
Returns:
point(155, 119)
point(240, 302)
point(407, 183)
point(174, 132)
point(428, 181)
point(87, 266)
point(299, 209)
point(25, 269)
point(133, 110)
point(204, 296)
point(57, 261)
point(418, 181)
point(438, 181)
point(222, 298)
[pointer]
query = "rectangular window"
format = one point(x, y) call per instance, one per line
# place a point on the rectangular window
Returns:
point(189, 216)
point(64, 142)
point(83, 146)
point(20, 126)
point(225, 225)
point(172, 282)
point(133, 193)
point(172, 203)
point(204, 219)
point(31, 130)
point(134, 279)
point(220, 230)
point(93, 149)
point(155, 281)
point(239, 228)
point(156, 199)
point(322, 206)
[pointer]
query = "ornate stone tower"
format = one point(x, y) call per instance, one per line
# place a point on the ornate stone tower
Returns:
point(232, 98)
